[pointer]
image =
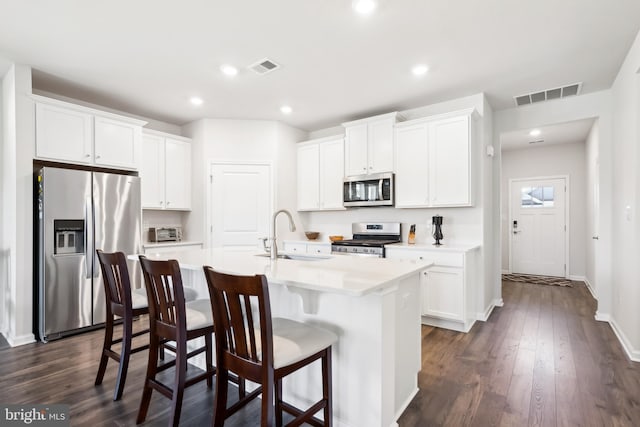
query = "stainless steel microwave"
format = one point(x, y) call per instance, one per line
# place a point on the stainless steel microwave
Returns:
point(368, 190)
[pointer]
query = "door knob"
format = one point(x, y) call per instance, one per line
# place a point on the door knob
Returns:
point(515, 231)
point(595, 238)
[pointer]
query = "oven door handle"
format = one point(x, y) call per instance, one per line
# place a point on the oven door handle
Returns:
point(358, 254)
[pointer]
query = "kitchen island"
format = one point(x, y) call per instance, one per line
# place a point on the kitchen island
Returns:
point(372, 304)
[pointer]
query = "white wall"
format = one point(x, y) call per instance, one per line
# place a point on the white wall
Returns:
point(551, 160)
point(240, 140)
point(591, 210)
point(625, 315)
point(18, 144)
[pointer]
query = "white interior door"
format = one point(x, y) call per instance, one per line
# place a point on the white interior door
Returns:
point(239, 204)
point(538, 226)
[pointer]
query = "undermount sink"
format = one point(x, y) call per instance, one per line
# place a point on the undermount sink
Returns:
point(297, 257)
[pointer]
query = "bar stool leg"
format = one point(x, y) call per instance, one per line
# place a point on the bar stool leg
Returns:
point(208, 340)
point(178, 388)
point(220, 397)
point(278, 408)
point(125, 354)
point(152, 367)
point(326, 387)
point(108, 338)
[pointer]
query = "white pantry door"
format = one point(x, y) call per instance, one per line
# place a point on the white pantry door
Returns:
point(240, 204)
point(538, 226)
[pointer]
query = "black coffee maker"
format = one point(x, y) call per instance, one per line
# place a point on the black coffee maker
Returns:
point(436, 229)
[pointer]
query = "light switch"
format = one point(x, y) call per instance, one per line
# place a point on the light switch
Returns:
point(627, 212)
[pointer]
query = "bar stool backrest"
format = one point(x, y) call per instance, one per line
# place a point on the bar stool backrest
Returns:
point(165, 294)
point(117, 286)
point(234, 300)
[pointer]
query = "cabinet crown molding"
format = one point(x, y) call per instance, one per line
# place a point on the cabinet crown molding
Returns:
point(321, 140)
point(82, 109)
point(471, 112)
point(395, 115)
point(153, 132)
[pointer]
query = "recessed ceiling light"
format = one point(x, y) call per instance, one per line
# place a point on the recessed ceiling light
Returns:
point(419, 70)
point(195, 100)
point(364, 7)
point(229, 70)
point(286, 109)
point(535, 132)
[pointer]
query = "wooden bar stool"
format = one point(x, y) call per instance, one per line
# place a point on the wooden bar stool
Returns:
point(171, 318)
point(263, 352)
point(120, 301)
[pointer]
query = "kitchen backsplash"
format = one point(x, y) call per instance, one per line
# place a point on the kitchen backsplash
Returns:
point(460, 225)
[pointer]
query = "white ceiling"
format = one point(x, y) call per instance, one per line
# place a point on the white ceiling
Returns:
point(148, 57)
point(561, 133)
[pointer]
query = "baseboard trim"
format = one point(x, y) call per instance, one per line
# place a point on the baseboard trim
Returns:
point(453, 325)
point(404, 406)
point(499, 302)
point(20, 340)
point(590, 288)
point(577, 278)
point(602, 317)
point(506, 271)
point(632, 353)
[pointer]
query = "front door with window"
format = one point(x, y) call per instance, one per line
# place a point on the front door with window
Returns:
point(538, 226)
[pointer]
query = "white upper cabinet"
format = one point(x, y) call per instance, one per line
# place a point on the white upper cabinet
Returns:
point(116, 143)
point(433, 161)
point(178, 174)
point(369, 145)
point(412, 160)
point(63, 134)
point(449, 149)
point(71, 133)
point(308, 177)
point(165, 171)
point(152, 172)
point(320, 174)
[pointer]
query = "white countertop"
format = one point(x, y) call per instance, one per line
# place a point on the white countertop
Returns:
point(169, 244)
point(454, 247)
point(349, 275)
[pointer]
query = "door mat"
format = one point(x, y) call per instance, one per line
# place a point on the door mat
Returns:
point(538, 280)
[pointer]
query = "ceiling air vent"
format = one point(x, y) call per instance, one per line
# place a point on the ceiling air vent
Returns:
point(537, 141)
point(546, 95)
point(264, 66)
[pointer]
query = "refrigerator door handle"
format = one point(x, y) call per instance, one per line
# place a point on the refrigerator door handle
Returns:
point(88, 239)
point(96, 236)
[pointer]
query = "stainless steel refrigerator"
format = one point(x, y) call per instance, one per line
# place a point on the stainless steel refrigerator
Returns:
point(78, 212)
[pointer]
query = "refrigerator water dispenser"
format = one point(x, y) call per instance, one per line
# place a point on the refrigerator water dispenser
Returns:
point(68, 236)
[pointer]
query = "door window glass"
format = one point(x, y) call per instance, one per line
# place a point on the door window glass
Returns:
point(536, 197)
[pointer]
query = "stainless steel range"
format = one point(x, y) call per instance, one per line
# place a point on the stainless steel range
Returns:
point(369, 239)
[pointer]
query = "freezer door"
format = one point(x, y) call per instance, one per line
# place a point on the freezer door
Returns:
point(64, 271)
point(118, 217)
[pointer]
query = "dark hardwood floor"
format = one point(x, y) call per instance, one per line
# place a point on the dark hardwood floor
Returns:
point(540, 360)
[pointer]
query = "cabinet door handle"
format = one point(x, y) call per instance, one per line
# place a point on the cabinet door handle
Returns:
point(595, 238)
point(97, 157)
point(161, 202)
point(168, 203)
point(87, 155)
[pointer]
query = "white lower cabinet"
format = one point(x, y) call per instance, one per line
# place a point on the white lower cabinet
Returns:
point(311, 248)
point(447, 296)
point(443, 293)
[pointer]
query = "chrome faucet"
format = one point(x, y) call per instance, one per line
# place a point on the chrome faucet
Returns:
point(292, 227)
